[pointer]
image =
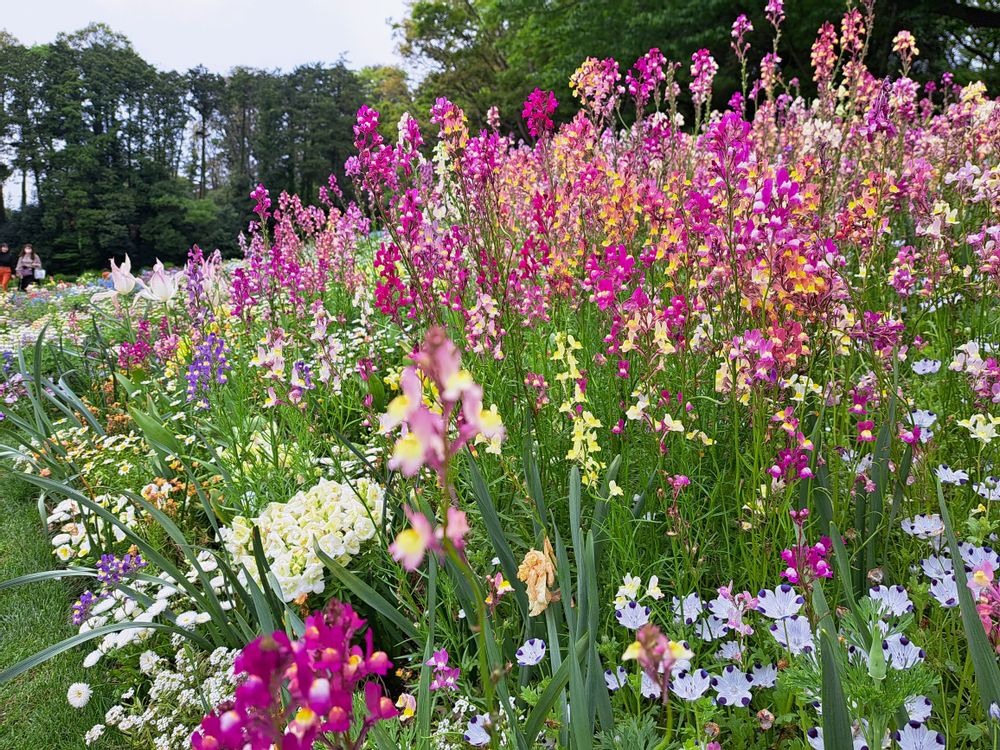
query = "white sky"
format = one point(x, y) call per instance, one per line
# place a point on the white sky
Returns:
point(221, 34)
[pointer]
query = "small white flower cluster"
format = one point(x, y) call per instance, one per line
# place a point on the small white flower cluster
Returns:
point(172, 710)
point(339, 517)
point(78, 527)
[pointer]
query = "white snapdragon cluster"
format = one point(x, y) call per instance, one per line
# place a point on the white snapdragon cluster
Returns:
point(77, 527)
point(340, 517)
point(172, 709)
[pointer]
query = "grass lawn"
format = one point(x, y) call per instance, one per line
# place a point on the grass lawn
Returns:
point(34, 712)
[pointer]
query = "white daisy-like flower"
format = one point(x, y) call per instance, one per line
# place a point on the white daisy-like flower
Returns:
point(477, 732)
point(531, 653)
point(632, 616)
point(732, 687)
point(925, 526)
point(988, 489)
point(923, 418)
point(815, 737)
point(688, 609)
point(92, 658)
point(918, 708)
point(764, 675)
point(945, 591)
point(926, 366)
point(947, 475)
point(901, 653)
point(615, 679)
point(894, 600)
point(794, 634)
point(973, 555)
point(937, 567)
point(649, 688)
point(730, 651)
point(779, 603)
point(711, 628)
point(690, 686)
point(78, 694)
point(916, 736)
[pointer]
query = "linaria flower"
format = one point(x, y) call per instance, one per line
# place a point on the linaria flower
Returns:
point(538, 573)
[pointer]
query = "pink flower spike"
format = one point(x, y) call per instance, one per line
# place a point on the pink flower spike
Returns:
point(457, 527)
point(412, 544)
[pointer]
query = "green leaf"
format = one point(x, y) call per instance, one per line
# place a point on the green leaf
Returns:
point(837, 733)
point(47, 575)
point(491, 519)
point(983, 657)
point(533, 724)
point(366, 593)
point(75, 640)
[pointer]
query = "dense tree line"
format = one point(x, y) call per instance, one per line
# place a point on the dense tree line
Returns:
point(493, 52)
point(109, 155)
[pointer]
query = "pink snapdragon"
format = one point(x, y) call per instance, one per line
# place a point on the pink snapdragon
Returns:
point(320, 673)
point(538, 110)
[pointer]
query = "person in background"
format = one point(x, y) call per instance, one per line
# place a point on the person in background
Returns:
point(26, 265)
point(6, 265)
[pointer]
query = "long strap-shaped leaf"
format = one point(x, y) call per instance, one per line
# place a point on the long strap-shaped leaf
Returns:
point(47, 575)
point(366, 593)
point(491, 519)
point(836, 719)
point(548, 697)
point(75, 640)
point(983, 658)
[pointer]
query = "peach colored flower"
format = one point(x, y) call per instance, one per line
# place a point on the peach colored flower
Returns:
point(538, 573)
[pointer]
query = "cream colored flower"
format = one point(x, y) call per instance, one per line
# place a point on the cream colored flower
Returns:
point(538, 573)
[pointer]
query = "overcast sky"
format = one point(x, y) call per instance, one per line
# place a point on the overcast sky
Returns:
point(221, 34)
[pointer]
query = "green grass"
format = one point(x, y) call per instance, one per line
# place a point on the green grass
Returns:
point(34, 712)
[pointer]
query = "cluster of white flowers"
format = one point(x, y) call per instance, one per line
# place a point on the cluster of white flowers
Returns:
point(173, 708)
point(339, 517)
point(78, 527)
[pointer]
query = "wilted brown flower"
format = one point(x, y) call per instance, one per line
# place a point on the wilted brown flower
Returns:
point(538, 573)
